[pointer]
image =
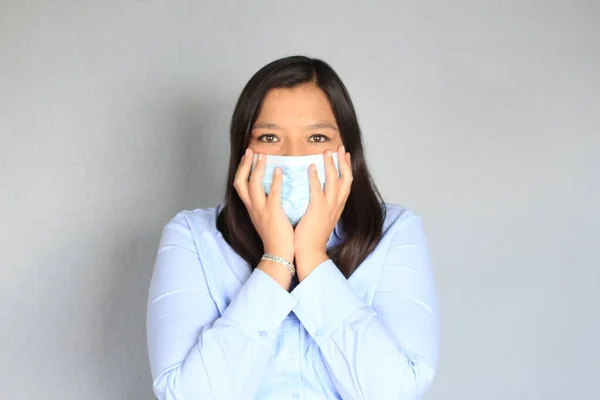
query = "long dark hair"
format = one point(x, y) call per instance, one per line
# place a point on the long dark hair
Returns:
point(363, 215)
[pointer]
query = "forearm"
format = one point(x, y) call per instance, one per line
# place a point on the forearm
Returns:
point(194, 354)
point(352, 338)
point(224, 363)
point(362, 342)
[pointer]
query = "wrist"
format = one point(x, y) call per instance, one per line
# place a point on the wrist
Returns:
point(307, 261)
point(288, 254)
point(277, 272)
point(308, 248)
point(311, 251)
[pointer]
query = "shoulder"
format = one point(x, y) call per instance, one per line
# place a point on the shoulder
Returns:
point(398, 218)
point(198, 221)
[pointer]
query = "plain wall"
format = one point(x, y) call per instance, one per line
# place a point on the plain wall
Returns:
point(482, 116)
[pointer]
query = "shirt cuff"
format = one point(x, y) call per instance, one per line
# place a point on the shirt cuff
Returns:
point(325, 300)
point(260, 306)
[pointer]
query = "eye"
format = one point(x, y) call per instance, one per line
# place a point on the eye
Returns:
point(268, 138)
point(318, 138)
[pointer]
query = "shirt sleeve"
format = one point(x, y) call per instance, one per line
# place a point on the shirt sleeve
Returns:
point(387, 350)
point(194, 352)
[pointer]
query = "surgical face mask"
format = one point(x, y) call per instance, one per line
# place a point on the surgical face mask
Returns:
point(295, 188)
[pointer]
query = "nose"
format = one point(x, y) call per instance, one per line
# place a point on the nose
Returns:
point(292, 149)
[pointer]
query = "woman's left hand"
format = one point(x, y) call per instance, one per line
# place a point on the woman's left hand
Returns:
point(323, 213)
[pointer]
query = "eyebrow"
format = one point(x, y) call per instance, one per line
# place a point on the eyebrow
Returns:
point(320, 125)
point(267, 125)
point(323, 125)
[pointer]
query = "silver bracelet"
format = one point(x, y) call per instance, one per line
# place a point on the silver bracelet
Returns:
point(280, 260)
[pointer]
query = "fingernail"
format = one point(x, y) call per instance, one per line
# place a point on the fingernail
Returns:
point(247, 151)
point(260, 156)
point(343, 149)
point(328, 153)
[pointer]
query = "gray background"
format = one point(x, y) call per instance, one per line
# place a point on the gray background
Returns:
point(483, 116)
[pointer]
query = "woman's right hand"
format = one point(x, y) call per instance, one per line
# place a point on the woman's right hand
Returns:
point(271, 223)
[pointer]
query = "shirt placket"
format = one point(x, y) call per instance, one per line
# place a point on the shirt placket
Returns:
point(290, 357)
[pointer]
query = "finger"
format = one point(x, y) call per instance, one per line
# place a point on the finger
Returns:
point(240, 181)
point(331, 177)
point(314, 183)
point(345, 163)
point(274, 197)
point(257, 192)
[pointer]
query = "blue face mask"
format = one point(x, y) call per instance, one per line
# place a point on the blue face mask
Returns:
point(295, 188)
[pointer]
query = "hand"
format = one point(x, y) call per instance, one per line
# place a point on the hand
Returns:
point(271, 223)
point(323, 213)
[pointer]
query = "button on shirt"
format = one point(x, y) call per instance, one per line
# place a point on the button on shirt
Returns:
point(219, 329)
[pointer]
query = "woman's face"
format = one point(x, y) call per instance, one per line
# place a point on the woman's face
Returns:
point(295, 121)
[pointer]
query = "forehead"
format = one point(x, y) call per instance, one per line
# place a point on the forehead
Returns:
point(306, 102)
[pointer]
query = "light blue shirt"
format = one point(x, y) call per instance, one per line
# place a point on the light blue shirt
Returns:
point(218, 329)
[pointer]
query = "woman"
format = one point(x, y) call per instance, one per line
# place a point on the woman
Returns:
point(247, 302)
